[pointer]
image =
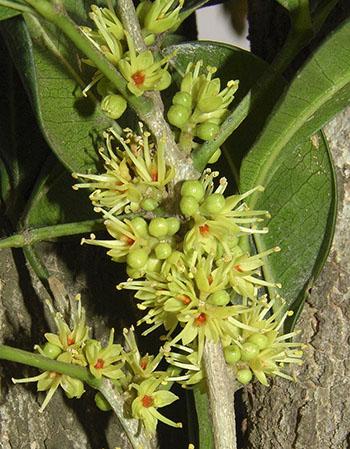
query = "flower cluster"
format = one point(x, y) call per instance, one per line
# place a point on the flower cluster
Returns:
point(72, 344)
point(194, 276)
point(200, 106)
point(141, 70)
point(208, 287)
point(135, 177)
point(136, 377)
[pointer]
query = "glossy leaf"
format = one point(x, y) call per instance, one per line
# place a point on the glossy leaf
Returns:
point(296, 170)
point(50, 69)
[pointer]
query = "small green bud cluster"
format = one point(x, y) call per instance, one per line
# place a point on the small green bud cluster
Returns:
point(142, 245)
point(200, 106)
point(140, 70)
point(135, 178)
point(259, 349)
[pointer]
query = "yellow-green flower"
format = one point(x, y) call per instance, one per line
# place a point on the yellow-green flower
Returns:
point(108, 36)
point(160, 15)
point(142, 72)
point(49, 381)
point(102, 360)
point(70, 338)
point(150, 397)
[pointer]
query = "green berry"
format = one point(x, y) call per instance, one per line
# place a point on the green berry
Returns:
point(189, 206)
point(102, 403)
point(183, 99)
point(149, 204)
point(158, 227)
point(249, 351)
point(244, 376)
point(163, 250)
point(215, 157)
point(194, 189)
point(140, 226)
point(214, 204)
point(260, 340)
point(114, 106)
point(207, 130)
point(137, 258)
point(51, 351)
point(219, 298)
point(232, 354)
point(153, 265)
point(178, 115)
point(173, 225)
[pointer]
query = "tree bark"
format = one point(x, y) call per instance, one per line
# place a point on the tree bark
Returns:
point(314, 413)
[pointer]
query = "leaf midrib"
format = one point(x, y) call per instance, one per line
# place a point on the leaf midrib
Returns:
point(266, 173)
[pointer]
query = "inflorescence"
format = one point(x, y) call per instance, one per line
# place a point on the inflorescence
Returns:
point(186, 247)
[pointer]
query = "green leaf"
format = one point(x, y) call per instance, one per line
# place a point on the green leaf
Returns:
point(22, 149)
point(296, 170)
point(53, 200)
point(49, 66)
point(7, 13)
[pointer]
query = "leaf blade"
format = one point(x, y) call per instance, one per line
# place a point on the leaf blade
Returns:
point(311, 100)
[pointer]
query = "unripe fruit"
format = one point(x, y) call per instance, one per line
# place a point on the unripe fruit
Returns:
point(232, 354)
point(140, 226)
point(207, 130)
point(173, 225)
point(183, 99)
point(102, 403)
point(149, 204)
point(213, 204)
point(114, 106)
point(137, 258)
point(244, 376)
point(249, 351)
point(158, 227)
point(51, 351)
point(219, 298)
point(178, 115)
point(189, 206)
point(194, 189)
point(163, 250)
point(260, 340)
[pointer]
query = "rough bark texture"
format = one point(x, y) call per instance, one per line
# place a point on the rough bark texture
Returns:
point(314, 413)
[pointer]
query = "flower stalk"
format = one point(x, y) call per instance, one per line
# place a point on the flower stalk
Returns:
point(30, 236)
